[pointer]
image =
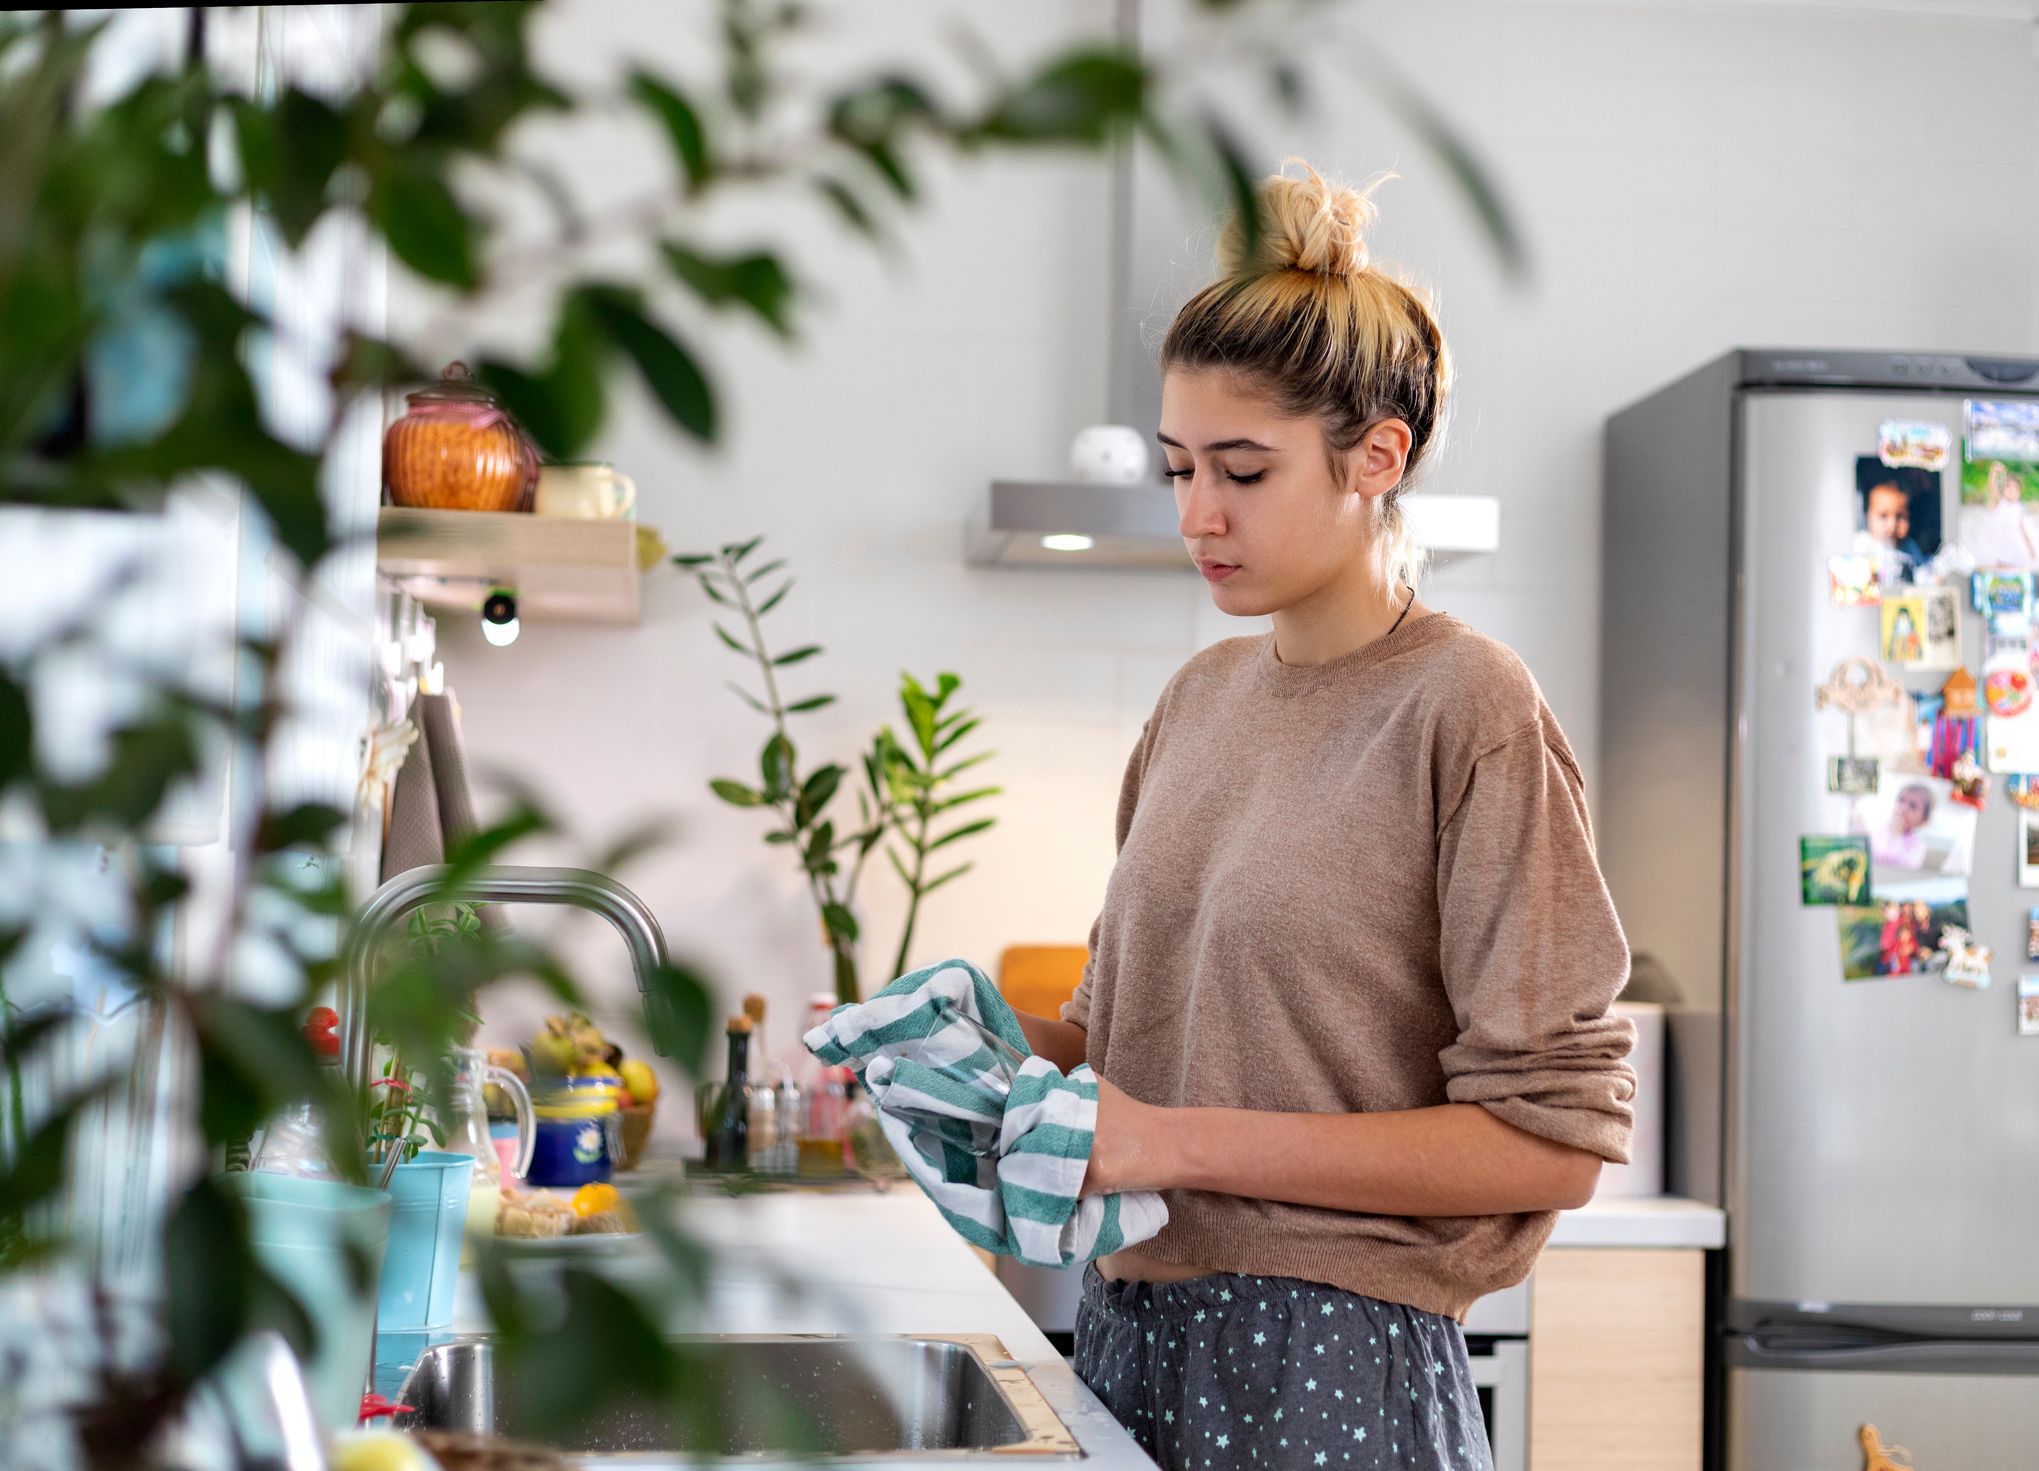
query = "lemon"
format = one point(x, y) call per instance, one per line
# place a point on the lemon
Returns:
point(640, 1080)
point(381, 1450)
point(593, 1199)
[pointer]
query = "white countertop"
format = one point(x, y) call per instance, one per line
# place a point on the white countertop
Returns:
point(1655, 1220)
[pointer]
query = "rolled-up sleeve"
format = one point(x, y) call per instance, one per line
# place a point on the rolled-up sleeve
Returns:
point(1532, 952)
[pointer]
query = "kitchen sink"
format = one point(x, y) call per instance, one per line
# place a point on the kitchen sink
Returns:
point(809, 1396)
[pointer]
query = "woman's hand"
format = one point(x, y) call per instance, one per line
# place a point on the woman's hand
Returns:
point(1128, 1150)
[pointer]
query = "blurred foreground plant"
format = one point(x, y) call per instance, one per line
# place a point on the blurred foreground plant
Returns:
point(125, 381)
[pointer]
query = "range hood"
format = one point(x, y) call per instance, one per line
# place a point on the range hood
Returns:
point(1121, 526)
point(1058, 523)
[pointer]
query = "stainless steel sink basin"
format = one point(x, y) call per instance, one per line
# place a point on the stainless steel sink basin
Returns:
point(816, 1396)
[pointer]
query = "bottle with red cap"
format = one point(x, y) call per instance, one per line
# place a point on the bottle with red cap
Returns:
point(296, 1141)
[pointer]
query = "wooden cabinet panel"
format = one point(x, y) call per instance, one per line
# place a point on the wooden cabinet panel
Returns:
point(1616, 1354)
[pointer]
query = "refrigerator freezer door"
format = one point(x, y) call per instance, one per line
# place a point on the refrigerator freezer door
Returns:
point(1808, 1420)
point(1883, 1132)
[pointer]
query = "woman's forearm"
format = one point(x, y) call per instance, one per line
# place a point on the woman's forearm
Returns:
point(1456, 1159)
point(1062, 1043)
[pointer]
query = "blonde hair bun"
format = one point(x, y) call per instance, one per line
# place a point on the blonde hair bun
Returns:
point(1307, 224)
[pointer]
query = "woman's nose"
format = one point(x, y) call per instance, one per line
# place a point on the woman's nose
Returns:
point(1199, 510)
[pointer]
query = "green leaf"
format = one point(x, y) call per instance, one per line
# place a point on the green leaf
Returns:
point(736, 793)
point(820, 844)
point(36, 1171)
point(423, 224)
point(947, 802)
point(708, 587)
point(819, 788)
point(957, 734)
point(692, 559)
point(750, 699)
point(1077, 98)
point(899, 868)
point(920, 711)
point(949, 684)
point(676, 1014)
point(758, 574)
point(962, 832)
point(814, 702)
point(210, 1299)
point(756, 282)
point(733, 641)
point(806, 651)
point(308, 825)
point(682, 124)
point(954, 873)
point(965, 765)
point(773, 601)
point(1451, 149)
point(851, 208)
point(839, 921)
point(669, 370)
point(775, 762)
point(737, 551)
point(17, 742)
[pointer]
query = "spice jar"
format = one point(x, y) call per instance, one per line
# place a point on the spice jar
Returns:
point(457, 449)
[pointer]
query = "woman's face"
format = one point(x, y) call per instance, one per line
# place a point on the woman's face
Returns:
point(1911, 811)
point(1253, 492)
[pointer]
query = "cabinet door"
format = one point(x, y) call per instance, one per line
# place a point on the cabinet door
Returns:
point(1616, 1346)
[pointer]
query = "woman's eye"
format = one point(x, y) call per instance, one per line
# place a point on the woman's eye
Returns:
point(1236, 479)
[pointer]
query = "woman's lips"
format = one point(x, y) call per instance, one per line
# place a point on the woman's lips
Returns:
point(1216, 571)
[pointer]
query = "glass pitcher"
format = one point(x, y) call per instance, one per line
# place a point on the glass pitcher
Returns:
point(467, 1132)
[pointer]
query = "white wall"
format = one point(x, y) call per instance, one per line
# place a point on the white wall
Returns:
point(1690, 177)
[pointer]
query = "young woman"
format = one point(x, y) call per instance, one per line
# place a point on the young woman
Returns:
point(1348, 992)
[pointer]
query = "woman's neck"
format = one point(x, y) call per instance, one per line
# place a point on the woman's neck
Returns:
point(1341, 617)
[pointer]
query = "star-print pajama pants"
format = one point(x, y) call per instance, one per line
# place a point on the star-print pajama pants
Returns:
point(1237, 1373)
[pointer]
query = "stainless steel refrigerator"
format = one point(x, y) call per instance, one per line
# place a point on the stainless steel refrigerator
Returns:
point(1875, 1142)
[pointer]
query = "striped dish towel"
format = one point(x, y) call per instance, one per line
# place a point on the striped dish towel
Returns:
point(997, 1137)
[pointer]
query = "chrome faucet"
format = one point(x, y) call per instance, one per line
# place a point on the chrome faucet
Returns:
point(412, 889)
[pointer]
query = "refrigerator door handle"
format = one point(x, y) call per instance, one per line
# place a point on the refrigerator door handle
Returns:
point(1954, 1356)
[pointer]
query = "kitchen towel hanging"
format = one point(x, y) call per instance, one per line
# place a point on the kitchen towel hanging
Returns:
point(431, 809)
point(998, 1137)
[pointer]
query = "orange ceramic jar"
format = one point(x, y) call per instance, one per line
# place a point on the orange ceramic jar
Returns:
point(457, 449)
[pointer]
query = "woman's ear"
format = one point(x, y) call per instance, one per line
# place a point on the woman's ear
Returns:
point(1376, 463)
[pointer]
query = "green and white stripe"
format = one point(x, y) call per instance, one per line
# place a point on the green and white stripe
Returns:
point(1003, 1161)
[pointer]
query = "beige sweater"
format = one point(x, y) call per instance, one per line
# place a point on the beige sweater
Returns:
point(1362, 885)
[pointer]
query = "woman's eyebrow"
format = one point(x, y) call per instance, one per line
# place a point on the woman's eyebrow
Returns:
point(1211, 449)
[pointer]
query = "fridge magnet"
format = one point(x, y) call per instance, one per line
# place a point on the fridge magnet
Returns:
point(2000, 482)
point(1942, 628)
point(1967, 962)
point(2028, 849)
point(2005, 601)
point(1904, 630)
point(2006, 679)
point(2028, 1006)
point(1833, 870)
point(1957, 694)
point(2011, 734)
point(1852, 776)
point(1913, 442)
point(1903, 930)
point(1856, 687)
point(2023, 790)
point(1970, 782)
point(1897, 518)
point(1852, 582)
point(1915, 829)
point(2032, 934)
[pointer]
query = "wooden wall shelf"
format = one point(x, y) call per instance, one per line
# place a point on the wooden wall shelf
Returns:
point(561, 569)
